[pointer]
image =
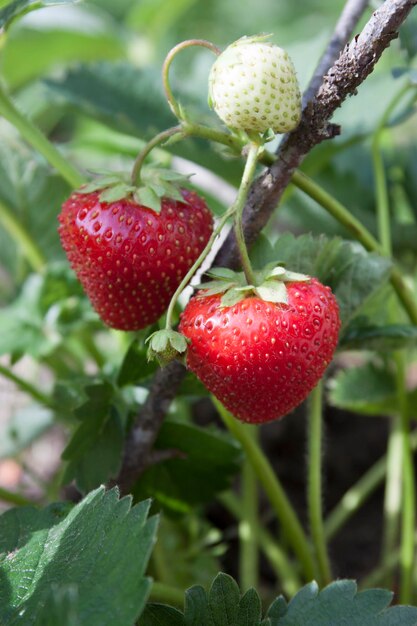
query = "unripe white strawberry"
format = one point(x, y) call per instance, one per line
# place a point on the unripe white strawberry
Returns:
point(253, 87)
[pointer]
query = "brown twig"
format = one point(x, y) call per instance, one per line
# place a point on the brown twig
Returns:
point(354, 64)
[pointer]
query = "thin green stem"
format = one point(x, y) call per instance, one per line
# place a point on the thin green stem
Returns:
point(175, 107)
point(274, 490)
point(247, 178)
point(408, 491)
point(14, 498)
point(167, 594)
point(357, 495)
point(194, 268)
point(22, 238)
point(249, 556)
point(344, 217)
point(155, 141)
point(26, 387)
point(284, 570)
point(38, 140)
point(315, 493)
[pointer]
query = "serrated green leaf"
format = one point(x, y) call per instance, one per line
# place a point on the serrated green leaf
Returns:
point(353, 274)
point(381, 338)
point(273, 291)
point(278, 608)
point(196, 609)
point(52, 549)
point(113, 194)
point(18, 8)
point(206, 466)
point(161, 615)
point(147, 197)
point(249, 612)
point(339, 604)
point(367, 389)
point(224, 597)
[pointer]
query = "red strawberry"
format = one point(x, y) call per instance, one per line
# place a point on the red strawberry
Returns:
point(259, 358)
point(129, 258)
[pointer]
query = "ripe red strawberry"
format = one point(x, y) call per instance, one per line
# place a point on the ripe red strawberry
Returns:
point(129, 258)
point(261, 359)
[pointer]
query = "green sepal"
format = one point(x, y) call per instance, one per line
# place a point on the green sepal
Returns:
point(232, 297)
point(165, 346)
point(273, 291)
point(156, 183)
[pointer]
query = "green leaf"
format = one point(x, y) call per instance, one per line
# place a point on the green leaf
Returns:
point(222, 273)
point(381, 338)
point(353, 274)
point(368, 389)
point(161, 615)
point(100, 550)
point(60, 608)
point(339, 604)
point(249, 612)
point(232, 297)
point(408, 35)
point(95, 449)
point(224, 597)
point(196, 609)
point(135, 367)
point(26, 425)
point(17, 8)
point(208, 462)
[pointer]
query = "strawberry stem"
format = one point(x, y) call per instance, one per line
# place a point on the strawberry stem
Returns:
point(155, 141)
point(174, 105)
point(314, 494)
point(37, 140)
point(238, 206)
point(194, 268)
point(284, 510)
point(22, 238)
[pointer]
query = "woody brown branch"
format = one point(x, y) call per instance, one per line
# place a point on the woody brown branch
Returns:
point(349, 70)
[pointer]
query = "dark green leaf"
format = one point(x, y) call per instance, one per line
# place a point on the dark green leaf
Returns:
point(339, 604)
point(367, 389)
point(353, 274)
point(196, 609)
point(380, 338)
point(135, 367)
point(161, 615)
point(60, 608)
point(99, 550)
point(249, 613)
point(95, 450)
point(224, 597)
point(207, 465)
point(408, 35)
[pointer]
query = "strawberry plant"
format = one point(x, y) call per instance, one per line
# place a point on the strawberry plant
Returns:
point(209, 314)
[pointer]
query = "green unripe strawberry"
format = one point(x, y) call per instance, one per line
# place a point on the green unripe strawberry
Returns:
point(253, 87)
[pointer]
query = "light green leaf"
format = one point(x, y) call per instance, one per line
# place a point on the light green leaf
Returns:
point(100, 550)
point(232, 297)
point(223, 273)
point(23, 428)
point(17, 8)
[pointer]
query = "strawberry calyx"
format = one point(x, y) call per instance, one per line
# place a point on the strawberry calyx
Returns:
point(155, 184)
point(270, 284)
point(165, 346)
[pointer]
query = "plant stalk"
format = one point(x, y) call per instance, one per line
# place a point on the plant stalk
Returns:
point(315, 492)
point(38, 140)
point(249, 557)
point(23, 239)
point(15, 498)
point(274, 490)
